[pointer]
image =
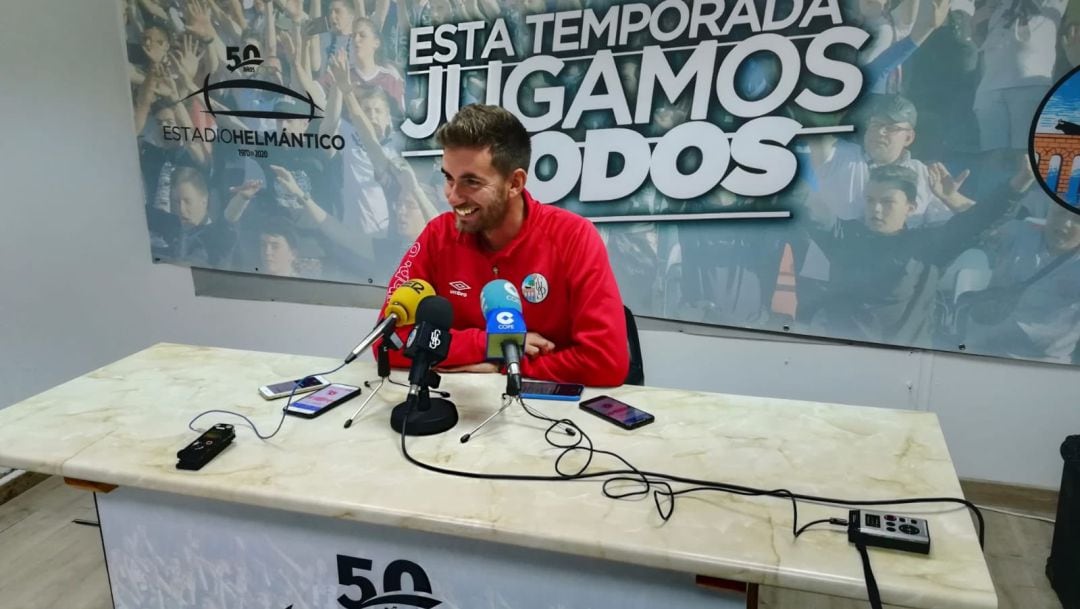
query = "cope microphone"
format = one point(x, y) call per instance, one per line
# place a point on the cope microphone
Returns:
point(501, 306)
point(400, 310)
point(428, 344)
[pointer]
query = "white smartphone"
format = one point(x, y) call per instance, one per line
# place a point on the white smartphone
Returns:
point(284, 388)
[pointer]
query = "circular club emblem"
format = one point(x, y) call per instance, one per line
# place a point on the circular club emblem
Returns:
point(535, 288)
point(1055, 142)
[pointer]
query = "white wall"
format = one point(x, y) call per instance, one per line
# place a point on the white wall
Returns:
point(79, 290)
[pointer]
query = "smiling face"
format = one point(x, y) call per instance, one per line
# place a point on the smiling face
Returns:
point(477, 192)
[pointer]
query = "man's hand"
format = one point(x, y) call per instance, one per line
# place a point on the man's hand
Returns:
point(403, 174)
point(943, 184)
point(483, 368)
point(291, 49)
point(930, 17)
point(198, 21)
point(248, 189)
point(164, 85)
point(339, 69)
point(536, 344)
point(187, 57)
point(286, 180)
point(947, 188)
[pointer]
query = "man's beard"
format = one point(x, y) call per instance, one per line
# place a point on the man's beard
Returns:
point(491, 216)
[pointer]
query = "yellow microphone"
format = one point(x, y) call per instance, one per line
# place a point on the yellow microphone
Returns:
point(400, 310)
point(404, 301)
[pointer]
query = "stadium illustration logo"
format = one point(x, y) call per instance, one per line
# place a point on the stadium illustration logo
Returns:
point(1054, 146)
point(255, 85)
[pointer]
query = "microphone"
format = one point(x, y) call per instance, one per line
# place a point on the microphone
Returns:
point(429, 342)
point(400, 310)
point(501, 305)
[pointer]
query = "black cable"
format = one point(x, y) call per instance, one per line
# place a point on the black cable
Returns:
point(868, 574)
point(284, 409)
point(660, 484)
point(836, 521)
point(703, 485)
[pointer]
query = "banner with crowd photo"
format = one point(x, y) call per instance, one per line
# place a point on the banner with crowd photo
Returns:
point(856, 170)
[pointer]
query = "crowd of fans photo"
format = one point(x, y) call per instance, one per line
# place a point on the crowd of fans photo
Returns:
point(923, 227)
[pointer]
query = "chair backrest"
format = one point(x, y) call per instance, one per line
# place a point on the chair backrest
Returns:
point(636, 374)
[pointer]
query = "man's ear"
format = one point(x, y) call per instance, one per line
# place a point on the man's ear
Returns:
point(517, 182)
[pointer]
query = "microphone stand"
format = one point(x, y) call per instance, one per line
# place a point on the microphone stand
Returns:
point(382, 362)
point(512, 394)
point(390, 341)
point(422, 415)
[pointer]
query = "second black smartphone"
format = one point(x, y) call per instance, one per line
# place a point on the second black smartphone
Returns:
point(617, 413)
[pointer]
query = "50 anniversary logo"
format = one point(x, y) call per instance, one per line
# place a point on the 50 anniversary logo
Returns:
point(271, 95)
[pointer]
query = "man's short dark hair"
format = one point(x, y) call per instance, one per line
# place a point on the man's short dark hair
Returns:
point(902, 178)
point(192, 176)
point(492, 127)
point(894, 109)
point(280, 228)
point(159, 28)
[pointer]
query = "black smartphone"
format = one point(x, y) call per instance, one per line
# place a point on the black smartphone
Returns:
point(320, 402)
point(317, 26)
point(548, 390)
point(618, 413)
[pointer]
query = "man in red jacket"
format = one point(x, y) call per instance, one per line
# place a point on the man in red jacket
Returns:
point(496, 230)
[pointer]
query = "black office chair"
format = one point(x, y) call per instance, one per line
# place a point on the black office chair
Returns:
point(636, 374)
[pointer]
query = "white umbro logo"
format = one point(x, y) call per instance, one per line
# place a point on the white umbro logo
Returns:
point(459, 288)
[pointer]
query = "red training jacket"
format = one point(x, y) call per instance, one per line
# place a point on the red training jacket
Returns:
point(559, 265)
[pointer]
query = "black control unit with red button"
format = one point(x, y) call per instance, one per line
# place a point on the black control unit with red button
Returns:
point(887, 530)
point(207, 446)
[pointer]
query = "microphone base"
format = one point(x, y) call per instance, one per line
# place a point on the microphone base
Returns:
point(440, 416)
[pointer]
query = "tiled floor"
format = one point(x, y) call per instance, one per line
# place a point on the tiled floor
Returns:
point(47, 562)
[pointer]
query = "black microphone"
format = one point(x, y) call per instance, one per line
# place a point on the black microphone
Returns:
point(429, 342)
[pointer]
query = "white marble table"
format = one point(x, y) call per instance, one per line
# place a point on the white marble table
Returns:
point(122, 425)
